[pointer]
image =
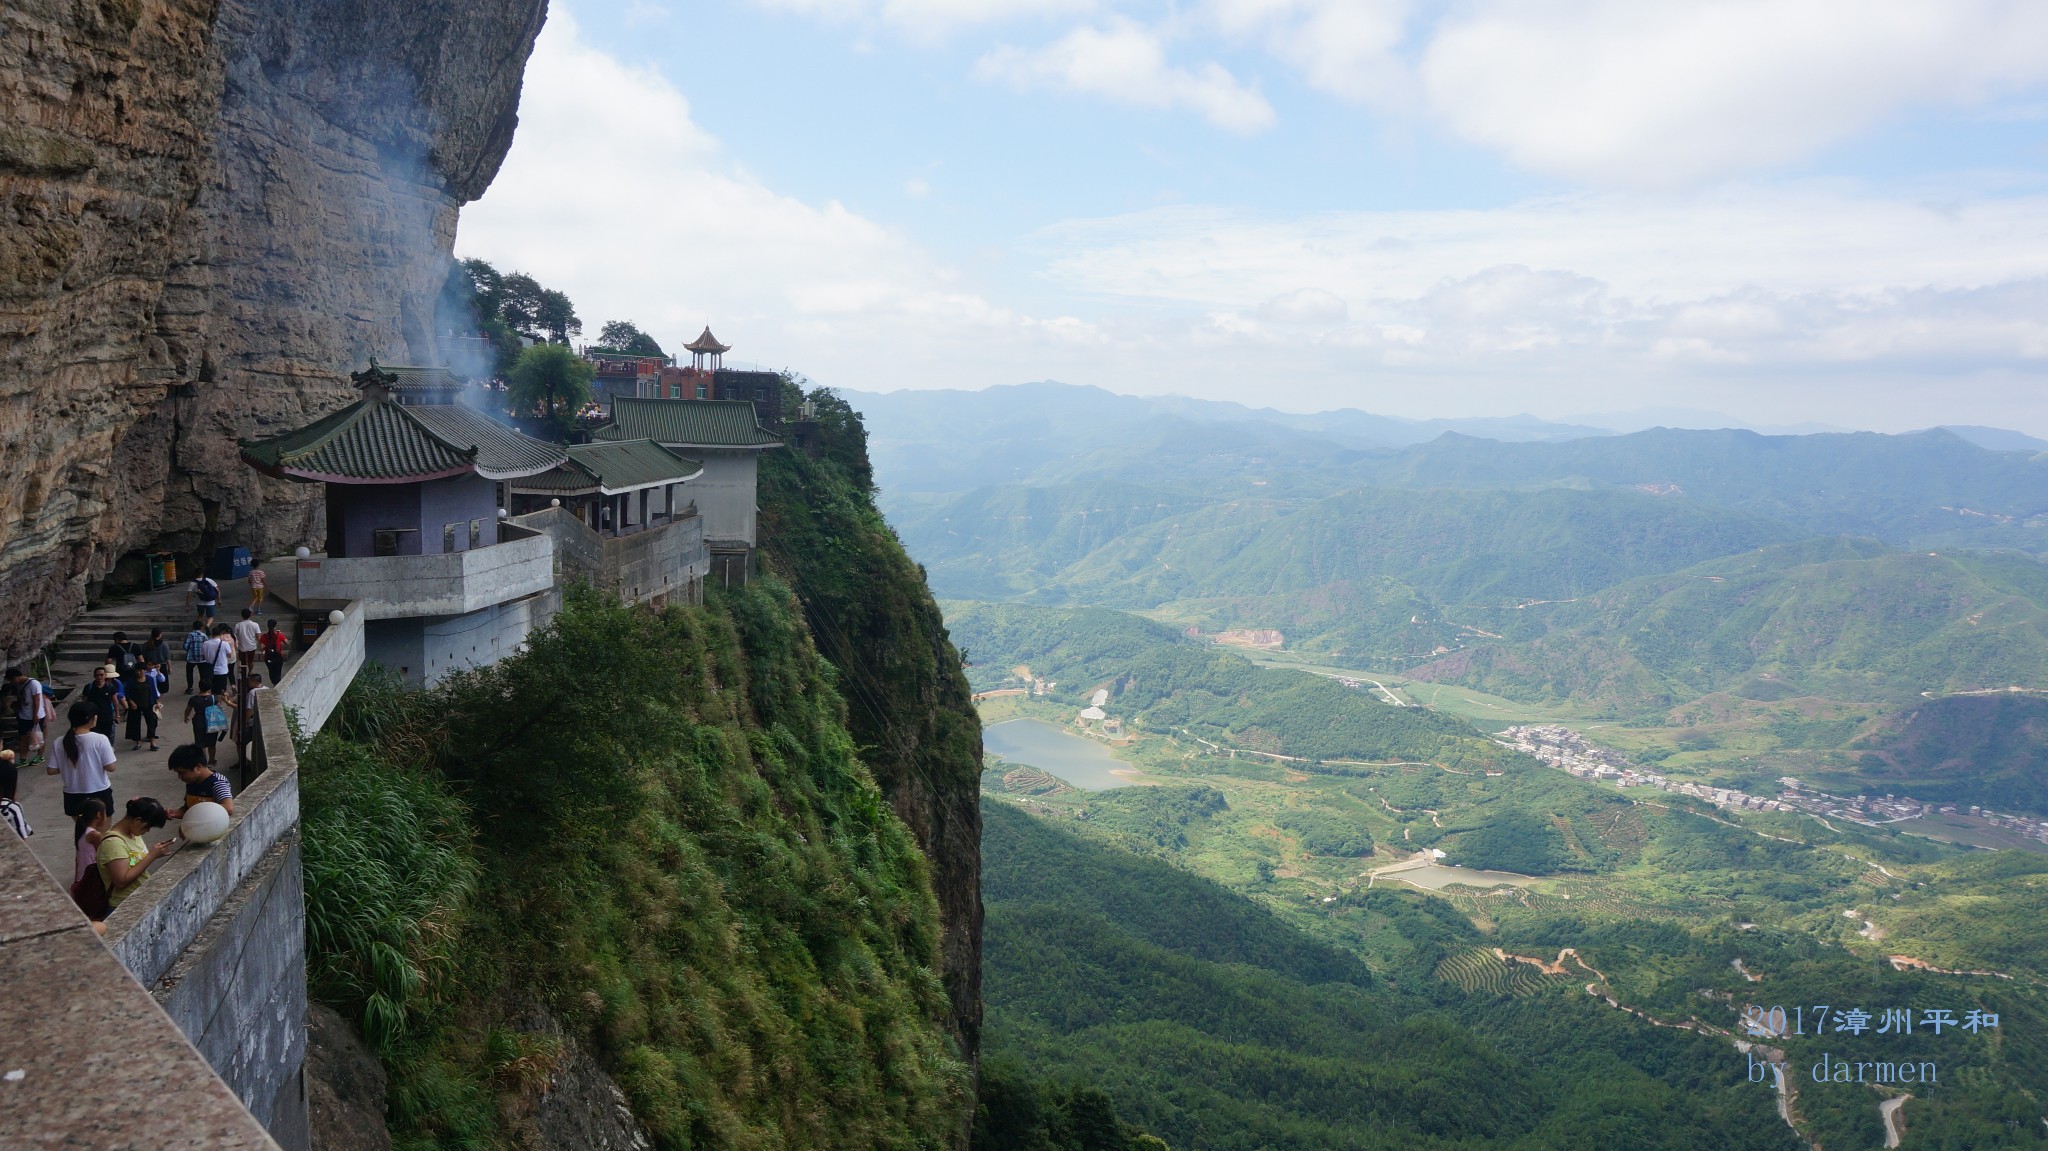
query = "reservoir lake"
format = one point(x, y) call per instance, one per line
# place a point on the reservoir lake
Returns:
point(1438, 875)
point(1082, 762)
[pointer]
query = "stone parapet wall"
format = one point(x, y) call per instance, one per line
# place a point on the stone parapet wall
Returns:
point(314, 685)
point(72, 999)
point(441, 584)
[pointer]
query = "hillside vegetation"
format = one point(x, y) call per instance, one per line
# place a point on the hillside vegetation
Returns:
point(683, 861)
point(1216, 1025)
point(1831, 618)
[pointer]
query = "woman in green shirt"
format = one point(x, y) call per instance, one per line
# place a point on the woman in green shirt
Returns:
point(124, 859)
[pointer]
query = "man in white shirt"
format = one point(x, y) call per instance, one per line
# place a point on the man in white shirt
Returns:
point(247, 633)
point(219, 654)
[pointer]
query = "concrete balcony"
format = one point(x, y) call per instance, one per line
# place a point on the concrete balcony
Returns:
point(447, 584)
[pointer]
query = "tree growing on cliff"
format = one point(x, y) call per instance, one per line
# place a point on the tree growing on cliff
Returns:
point(539, 314)
point(626, 336)
point(468, 311)
point(550, 383)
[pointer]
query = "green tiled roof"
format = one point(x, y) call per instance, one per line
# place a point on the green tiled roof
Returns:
point(689, 423)
point(612, 468)
point(377, 440)
point(501, 452)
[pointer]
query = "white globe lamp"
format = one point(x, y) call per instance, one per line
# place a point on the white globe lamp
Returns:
point(334, 617)
point(204, 822)
point(304, 553)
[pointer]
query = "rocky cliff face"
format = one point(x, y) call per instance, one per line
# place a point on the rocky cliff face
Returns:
point(210, 212)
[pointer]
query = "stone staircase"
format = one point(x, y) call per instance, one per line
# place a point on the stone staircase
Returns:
point(83, 644)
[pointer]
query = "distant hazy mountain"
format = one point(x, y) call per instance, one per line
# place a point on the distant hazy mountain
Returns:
point(1998, 439)
point(1695, 419)
point(946, 440)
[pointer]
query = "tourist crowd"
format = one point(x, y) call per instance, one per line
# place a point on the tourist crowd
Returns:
point(112, 856)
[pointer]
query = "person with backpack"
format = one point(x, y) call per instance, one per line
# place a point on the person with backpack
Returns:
point(10, 811)
point(87, 827)
point(159, 650)
point(274, 643)
point(204, 596)
point(120, 655)
point(145, 691)
point(31, 715)
point(85, 759)
point(195, 656)
point(124, 859)
point(207, 712)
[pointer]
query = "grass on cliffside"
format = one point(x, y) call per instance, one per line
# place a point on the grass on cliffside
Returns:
point(676, 854)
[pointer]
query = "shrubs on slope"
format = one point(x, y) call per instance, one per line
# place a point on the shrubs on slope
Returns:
point(678, 856)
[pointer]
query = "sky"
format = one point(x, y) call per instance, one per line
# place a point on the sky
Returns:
point(1828, 212)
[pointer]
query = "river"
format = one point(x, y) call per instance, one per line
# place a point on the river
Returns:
point(1080, 761)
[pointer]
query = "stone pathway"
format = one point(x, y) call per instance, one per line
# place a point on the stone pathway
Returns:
point(84, 644)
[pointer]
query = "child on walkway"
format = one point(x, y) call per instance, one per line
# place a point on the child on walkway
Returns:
point(256, 584)
point(87, 828)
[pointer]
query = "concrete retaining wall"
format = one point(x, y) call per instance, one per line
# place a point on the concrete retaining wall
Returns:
point(667, 561)
point(239, 994)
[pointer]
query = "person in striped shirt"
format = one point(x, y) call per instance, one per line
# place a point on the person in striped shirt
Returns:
point(202, 783)
point(10, 811)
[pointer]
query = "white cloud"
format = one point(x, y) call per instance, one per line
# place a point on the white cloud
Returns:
point(933, 19)
point(1788, 302)
point(1669, 93)
point(1125, 62)
point(613, 194)
point(1348, 48)
point(1782, 296)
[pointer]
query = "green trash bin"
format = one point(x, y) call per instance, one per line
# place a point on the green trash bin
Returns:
point(163, 570)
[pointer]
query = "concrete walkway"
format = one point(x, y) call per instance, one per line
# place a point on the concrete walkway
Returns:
point(83, 645)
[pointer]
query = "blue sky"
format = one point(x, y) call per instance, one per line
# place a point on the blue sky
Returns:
point(1793, 211)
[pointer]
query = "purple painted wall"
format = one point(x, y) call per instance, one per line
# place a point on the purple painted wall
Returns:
point(355, 512)
point(458, 501)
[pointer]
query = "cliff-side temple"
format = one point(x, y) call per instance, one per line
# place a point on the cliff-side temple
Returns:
point(424, 569)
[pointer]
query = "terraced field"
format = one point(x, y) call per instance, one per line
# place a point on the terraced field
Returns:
point(1481, 972)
